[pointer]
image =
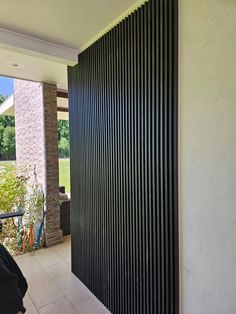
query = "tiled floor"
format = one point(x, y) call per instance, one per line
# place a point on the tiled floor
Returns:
point(53, 289)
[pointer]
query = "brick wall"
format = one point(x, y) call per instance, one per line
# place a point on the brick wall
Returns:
point(54, 234)
point(36, 144)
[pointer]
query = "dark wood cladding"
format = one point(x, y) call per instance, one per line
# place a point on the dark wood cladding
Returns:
point(62, 109)
point(123, 125)
point(61, 94)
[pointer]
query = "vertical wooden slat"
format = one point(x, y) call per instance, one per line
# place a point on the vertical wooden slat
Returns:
point(123, 109)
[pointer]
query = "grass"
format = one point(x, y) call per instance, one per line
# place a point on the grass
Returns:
point(7, 163)
point(64, 171)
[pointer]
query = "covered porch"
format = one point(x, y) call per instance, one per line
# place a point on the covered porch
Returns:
point(152, 113)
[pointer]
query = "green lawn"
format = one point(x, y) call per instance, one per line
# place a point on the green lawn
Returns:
point(64, 171)
point(7, 163)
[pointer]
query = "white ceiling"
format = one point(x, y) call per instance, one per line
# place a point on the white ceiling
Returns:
point(70, 24)
point(33, 68)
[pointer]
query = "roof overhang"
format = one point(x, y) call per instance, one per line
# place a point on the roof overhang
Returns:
point(37, 48)
point(39, 39)
point(7, 107)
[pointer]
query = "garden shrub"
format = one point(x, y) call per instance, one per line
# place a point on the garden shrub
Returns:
point(20, 192)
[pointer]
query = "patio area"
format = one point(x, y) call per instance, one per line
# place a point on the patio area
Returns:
point(52, 286)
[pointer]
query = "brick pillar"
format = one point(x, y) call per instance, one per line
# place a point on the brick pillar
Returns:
point(54, 233)
point(37, 146)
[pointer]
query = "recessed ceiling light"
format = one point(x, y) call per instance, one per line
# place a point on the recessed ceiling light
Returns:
point(14, 65)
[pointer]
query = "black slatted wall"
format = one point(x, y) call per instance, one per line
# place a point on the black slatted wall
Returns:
point(123, 124)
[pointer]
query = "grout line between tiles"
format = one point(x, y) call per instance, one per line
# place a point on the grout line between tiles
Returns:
point(40, 307)
point(32, 302)
point(71, 304)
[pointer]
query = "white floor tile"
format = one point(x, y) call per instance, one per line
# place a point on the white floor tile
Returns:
point(68, 260)
point(28, 264)
point(28, 304)
point(60, 306)
point(31, 310)
point(47, 257)
point(63, 250)
point(84, 301)
point(78, 290)
point(42, 290)
point(61, 275)
point(87, 305)
point(27, 300)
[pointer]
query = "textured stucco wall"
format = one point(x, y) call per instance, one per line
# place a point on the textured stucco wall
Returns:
point(36, 144)
point(208, 156)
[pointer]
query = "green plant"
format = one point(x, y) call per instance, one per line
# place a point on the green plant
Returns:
point(20, 191)
point(9, 142)
point(12, 189)
point(64, 149)
point(63, 138)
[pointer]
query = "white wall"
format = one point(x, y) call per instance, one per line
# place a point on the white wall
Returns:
point(208, 155)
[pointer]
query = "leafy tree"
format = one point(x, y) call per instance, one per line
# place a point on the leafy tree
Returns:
point(64, 150)
point(2, 99)
point(63, 138)
point(7, 121)
point(63, 129)
point(9, 142)
point(1, 139)
point(7, 135)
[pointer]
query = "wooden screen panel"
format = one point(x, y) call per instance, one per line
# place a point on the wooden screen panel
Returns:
point(123, 125)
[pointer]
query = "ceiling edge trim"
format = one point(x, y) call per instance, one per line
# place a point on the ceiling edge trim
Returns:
point(18, 42)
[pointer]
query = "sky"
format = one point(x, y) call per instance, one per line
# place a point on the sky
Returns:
point(6, 86)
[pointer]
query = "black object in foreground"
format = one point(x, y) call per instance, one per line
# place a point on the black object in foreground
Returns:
point(13, 285)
